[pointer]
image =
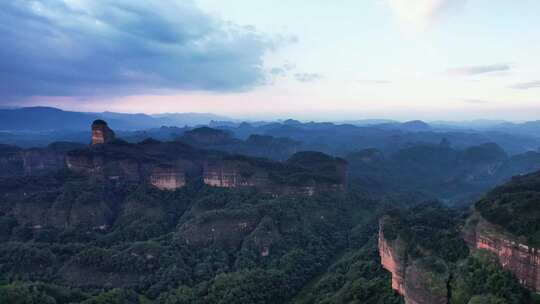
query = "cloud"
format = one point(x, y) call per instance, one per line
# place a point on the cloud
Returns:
point(282, 71)
point(307, 77)
point(475, 101)
point(374, 81)
point(120, 47)
point(421, 14)
point(477, 70)
point(526, 85)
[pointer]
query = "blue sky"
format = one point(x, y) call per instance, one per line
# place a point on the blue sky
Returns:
point(316, 59)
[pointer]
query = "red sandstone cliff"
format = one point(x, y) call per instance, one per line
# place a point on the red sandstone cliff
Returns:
point(167, 177)
point(276, 178)
point(233, 174)
point(393, 259)
point(101, 133)
point(415, 280)
point(514, 255)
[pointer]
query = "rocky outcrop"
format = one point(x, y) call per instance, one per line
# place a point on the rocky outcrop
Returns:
point(233, 174)
point(419, 281)
point(100, 166)
point(393, 259)
point(168, 165)
point(306, 173)
point(513, 254)
point(36, 160)
point(101, 133)
point(167, 177)
point(19, 162)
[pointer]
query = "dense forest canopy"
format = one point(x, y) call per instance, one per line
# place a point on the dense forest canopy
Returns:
point(515, 206)
point(104, 234)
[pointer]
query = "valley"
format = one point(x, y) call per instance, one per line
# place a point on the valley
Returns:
point(190, 221)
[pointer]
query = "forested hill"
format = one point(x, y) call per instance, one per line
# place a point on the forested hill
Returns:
point(166, 222)
point(515, 207)
point(197, 244)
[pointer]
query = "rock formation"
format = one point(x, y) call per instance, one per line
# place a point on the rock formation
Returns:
point(18, 162)
point(393, 259)
point(167, 177)
point(306, 173)
point(417, 280)
point(168, 165)
point(233, 174)
point(101, 133)
point(513, 254)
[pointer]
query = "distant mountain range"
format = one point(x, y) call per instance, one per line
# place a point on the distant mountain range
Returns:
point(53, 119)
point(40, 126)
point(47, 119)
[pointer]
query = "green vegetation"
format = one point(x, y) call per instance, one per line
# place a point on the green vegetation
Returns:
point(356, 277)
point(111, 242)
point(428, 229)
point(515, 207)
point(67, 238)
point(479, 279)
point(430, 233)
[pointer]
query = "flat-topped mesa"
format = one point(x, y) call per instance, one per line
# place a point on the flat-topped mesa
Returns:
point(306, 173)
point(101, 133)
point(234, 173)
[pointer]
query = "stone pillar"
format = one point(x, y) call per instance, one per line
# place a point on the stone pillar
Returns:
point(101, 133)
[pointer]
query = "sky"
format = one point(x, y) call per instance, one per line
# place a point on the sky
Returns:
point(266, 59)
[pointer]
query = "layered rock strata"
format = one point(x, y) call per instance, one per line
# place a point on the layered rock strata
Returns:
point(416, 280)
point(167, 178)
point(513, 254)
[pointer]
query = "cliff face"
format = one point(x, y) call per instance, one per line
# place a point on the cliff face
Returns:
point(94, 164)
point(167, 166)
point(167, 178)
point(35, 160)
point(101, 166)
point(416, 280)
point(19, 162)
point(101, 133)
point(233, 174)
point(514, 255)
point(393, 259)
point(306, 173)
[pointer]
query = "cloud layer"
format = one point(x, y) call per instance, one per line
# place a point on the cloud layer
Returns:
point(479, 69)
point(422, 13)
point(526, 85)
point(111, 47)
point(307, 77)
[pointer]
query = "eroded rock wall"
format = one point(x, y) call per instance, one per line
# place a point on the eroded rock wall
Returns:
point(36, 160)
point(393, 259)
point(167, 178)
point(514, 255)
point(415, 280)
point(230, 174)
